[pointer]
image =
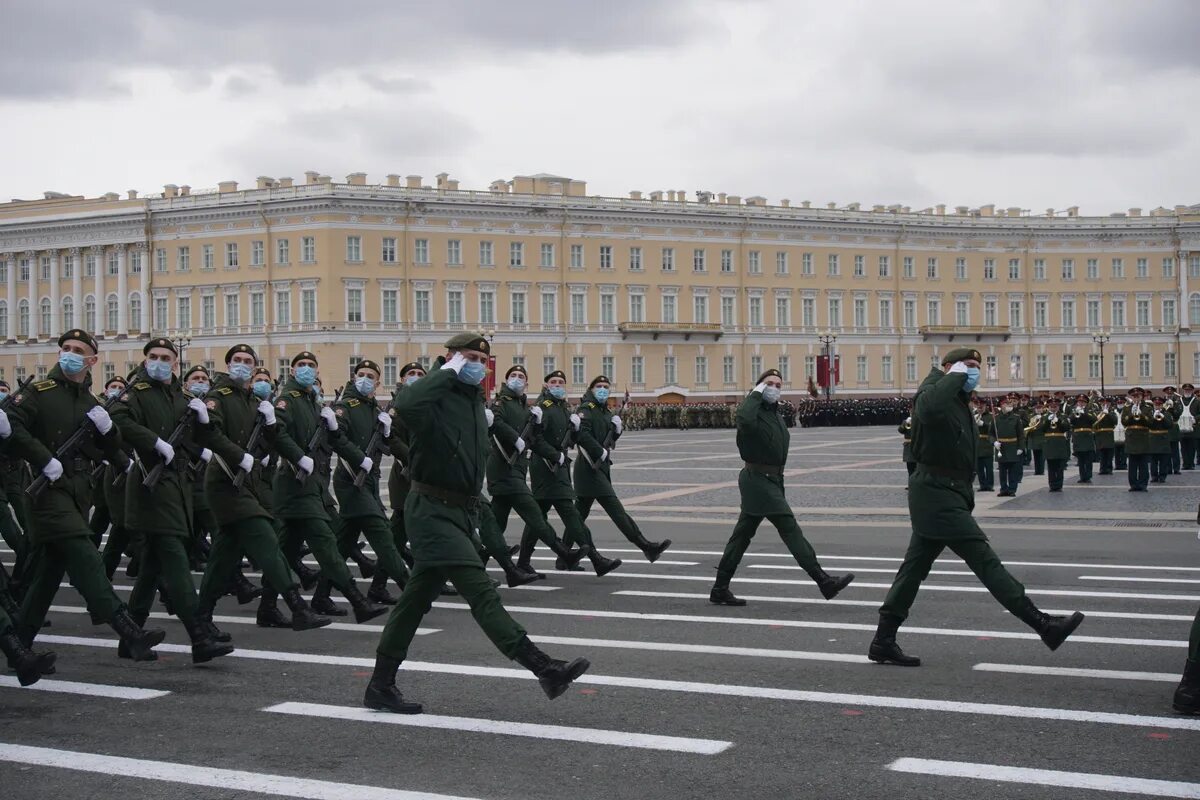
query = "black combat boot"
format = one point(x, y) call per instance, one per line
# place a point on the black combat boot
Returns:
point(204, 614)
point(364, 609)
point(652, 550)
point(720, 594)
point(514, 575)
point(30, 666)
point(308, 577)
point(303, 617)
point(269, 615)
point(140, 643)
point(378, 593)
point(830, 585)
point(603, 565)
point(554, 676)
point(884, 649)
point(382, 694)
point(241, 586)
point(568, 558)
point(1053, 630)
point(365, 565)
point(123, 646)
point(1187, 696)
point(525, 552)
point(204, 647)
point(322, 603)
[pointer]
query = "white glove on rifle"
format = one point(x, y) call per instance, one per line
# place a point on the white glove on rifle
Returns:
point(129, 466)
point(489, 416)
point(536, 413)
point(247, 463)
point(519, 445)
point(603, 456)
point(367, 464)
point(5, 426)
point(576, 421)
point(164, 450)
point(561, 458)
point(197, 405)
point(268, 411)
point(305, 464)
point(53, 470)
point(455, 363)
point(330, 418)
point(616, 421)
point(100, 419)
point(1020, 451)
point(386, 422)
point(206, 455)
point(264, 461)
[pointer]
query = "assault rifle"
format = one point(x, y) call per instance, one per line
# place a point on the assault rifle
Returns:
point(374, 446)
point(66, 451)
point(12, 398)
point(525, 435)
point(256, 435)
point(181, 428)
point(609, 439)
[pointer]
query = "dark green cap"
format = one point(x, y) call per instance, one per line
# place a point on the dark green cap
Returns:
point(469, 340)
point(961, 354)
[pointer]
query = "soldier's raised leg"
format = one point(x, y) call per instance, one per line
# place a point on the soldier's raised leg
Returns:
point(1187, 695)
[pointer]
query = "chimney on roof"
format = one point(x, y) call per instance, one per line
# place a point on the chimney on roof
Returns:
point(1072, 211)
point(357, 179)
point(1014, 211)
point(498, 186)
point(310, 177)
point(227, 186)
point(170, 190)
point(284, 183)
point(1049, 212)
point(962, 211)
point(785, 203)
point(656, 196)
point(756, 200)
point(831, 206)
point(1135, 212)
point(452, 186)
point(940, 208)
point(393, 180)
point(185, 190)
point(265, 182)
point(987, 210)
point(671, 195)
point(131, 194)
point(854, 206)
point(112, 196)
point(721, 197)
point(733, 200)
point(412, 181)
point(806, 204)
point(878, 209)
point(635, 195)
point(442, 177)
point(1181, 210)
point(682, 195)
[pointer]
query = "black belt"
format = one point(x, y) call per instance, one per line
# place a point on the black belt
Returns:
point(764, 469)
point(469, 502)
point(946, 472)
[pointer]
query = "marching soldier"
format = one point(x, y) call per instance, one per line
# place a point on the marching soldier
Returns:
point(984, 420)
point(1174, 437)
point(1136, 420)
point(1034, 437)
point(121, 540)
point(1120, 460)
point(1104, 427)
point(1083, 438)
point(905, 430)
point(598, 432)
point(14, 525)
point(940, 503)
point(1187, 694)
point(445, 416)
point(1189, 407)
point(1055, 430)
point(55, 410)
point(762, 441)
point(1009, 446)
point(398, 486)
point(244, 524)
point(1160, 424)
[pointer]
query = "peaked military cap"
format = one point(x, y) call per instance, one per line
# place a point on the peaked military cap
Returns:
point(79, 335)
point(961, 354)
point(1082, 397)
point(261, 371)
point(159, 342)
point(469, 340)
point(410, 366)
point(303, 355)
point(558, 373)
point(1168, 389)
point(195, 369)
point(771, 373)
point(1188, 386)
point(516, 368)
point(1137, 390)
point(599, 379)
point(367, 363)
point(4, 384)
point(116, 379)
point(240, 348)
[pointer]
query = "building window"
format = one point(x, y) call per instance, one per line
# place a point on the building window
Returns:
point(910, 314)
point(1194, 310)
point(781, 262)
point(756, 365)
point(1042, 366)
point(68, 316)
point(885, 266)
point(1093, 314)
point(183, 313)
point(700, 308)
point(910, 369)
point(454, 307)
point(728, 370)
point(726, 261)
point(635, 259)
point(354, 305)
point(549, 308)
point(389, 304)
point(909, 267)
point(487, 307)
point(516, 302)
point(668, 259)
point(231, 255)
point(962, 312)
point(806, 264)
point(608, 367)
point(931, 268)
point(258, 311)
point(516, 254)
point(885, 369)
point(1119, 365)
point(208, 312)
point(114, 263)
point(989, 313)
point(637, 308)
point(1194, 266)
point(387, 251)
point(860, 369)
point(283, 308)
point(669, 376)
point(860, 312)
point(934, 309)
point(487, 257)
point(668, 309)
point(1068, 313)
point(308, 305)
point(608, 308)
point(835, 312)
point(1118, 268)
point(834, 265)
point(391, 370)
point(756, 312)
point(1015, 320)
point(546, 258)
point(1068, 367)
point(578, 308)
point(44, 314)
point(783, 312)
point(1014, 269)
point(885, 314)
point(421, 251)
point(283, 252)
point(1143, 268)
point(112, 309)
point(1143, 313)
point(160, 262)
point(1168, 312)
point(1168, 267)
point(577, 256)
point(1094, 366)
point(1093, 269)
point(454, 253)
point(1118, 312)
point(808, 312)
point(699, 263)
point(257, 254)
point(578, 370)
point(354, 249)
point(308, 249)
point(1143, 365)
point(547, 365)
point(23, 270)
point(989, 269)
point(89, 265)
point(208, 259)
point(637, 370)
point(421, 304)
point(232, 310)
point(860, 266)
point(728, 311)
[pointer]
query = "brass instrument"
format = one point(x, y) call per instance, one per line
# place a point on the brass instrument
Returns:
point(1158, 415)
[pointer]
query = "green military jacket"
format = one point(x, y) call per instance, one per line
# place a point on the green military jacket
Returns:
point(1160, 433)
point(762, 439)
point(510, 417)
point(151, 410)
point(1010, 433)
point(593, 473)
point(944, 431)
point(905, 429)
point(1136, 419)
point(233, 414)
point(298, 418)
point(1083, 437)
point(552, 481)
point(985, 439)
point(448, 446)
point(1105, 424)
point(401, 448)
point(42, 418)
point(1033, 432)
point(1056, 436)
point(357, 420)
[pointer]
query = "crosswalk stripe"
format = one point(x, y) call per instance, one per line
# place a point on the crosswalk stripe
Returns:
point(1124, 579)
point(88, 689)
point(644, 741)
point(1046, 777)
point(882, 570)
point(1076, 672)
point(230, 620)
point(227, 780)
point(710, 649)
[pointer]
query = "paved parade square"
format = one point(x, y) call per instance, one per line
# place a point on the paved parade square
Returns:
point(684, 699)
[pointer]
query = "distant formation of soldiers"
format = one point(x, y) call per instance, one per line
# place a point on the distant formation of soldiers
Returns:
point(806, 413)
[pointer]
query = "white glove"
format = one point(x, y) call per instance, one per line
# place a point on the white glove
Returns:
point(5, 426)
point(1198, 534)
point(53, 470)
point(489, 416)
point(367, 464)
point(997, 445)
point(129, 466)
point(247, 463)
point(264, 461)
point(759, 388)
point(165, 450)
point(1020, 451)
point(616, 421)
point(206, 455)
point(330, 418)
point(268, 411)
point(305, 464)
point(197, 405)
point(603, 455)
point(561, 459)
point(576, 421)
point(536, 411)
point(455, 363)
point(519, 445)
point(386, 422)
point(100, 419)
point(958, 367)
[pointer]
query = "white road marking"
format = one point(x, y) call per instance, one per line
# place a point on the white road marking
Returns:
point(88, 689)
point(881, 570)
point(1075, 672)
point(560, 733)
point(1046, 777)
point(709, 649)
point(228, 620)
point(226, 780)
point(660, 563)
point(1123, 579)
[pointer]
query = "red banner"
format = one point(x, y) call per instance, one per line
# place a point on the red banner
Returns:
point(489, 380)
point(823, 376)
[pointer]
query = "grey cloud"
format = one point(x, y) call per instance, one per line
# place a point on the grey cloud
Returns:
point(403, 85)
point(239, 86)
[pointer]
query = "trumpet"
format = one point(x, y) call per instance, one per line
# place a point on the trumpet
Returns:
point(1158, 415)
point(1137, 409)
point(1053, 419)
point(908, 421)
point(978, 418)
point(1169, 404)
point(1079, 412)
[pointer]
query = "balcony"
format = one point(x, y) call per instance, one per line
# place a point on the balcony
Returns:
point(685, 330)
point(964, 332)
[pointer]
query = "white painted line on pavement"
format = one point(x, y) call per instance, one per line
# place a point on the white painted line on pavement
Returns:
point(1046, 777)
point(1075, 672)
point(645, 741)
point(1123, 579)
point(227, 780)
point(671, 647)
point(660, 563)
point(882, 570)
point(88, 689)
point(228, 620)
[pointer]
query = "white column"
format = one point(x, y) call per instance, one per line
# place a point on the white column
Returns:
point(101, 316)
point(122, 293)
point(77, 286)
point(12, 295)
point(55, 298)
point(145, 325)
point(34, 311)
point(1181, 267)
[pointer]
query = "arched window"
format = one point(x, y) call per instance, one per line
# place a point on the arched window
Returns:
point(45, 312)
point(68, 313)
point(135, 312)
point(1194, 310)
point(89, 314)
point(3, 319)
point(23, 319)
point(112, 308)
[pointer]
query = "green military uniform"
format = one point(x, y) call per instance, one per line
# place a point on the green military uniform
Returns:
point(1102, 428)
point(1010, 436)
point(1136, 418)
point(1161, 424)
point(1083, 440)
point(1189, 408)
point(14, 523)
point(1055, 430)
point(762, 441)
point(593, 471)
point(1036, 441)
point(984, 451)
point(1174, 436)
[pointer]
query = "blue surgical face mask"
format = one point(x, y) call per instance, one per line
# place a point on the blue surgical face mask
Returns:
point(600, 394)
point(364, 385)
point(306, 376)
point(239, 372)
point(771, 394)
point(972, 379)
point(70, 363)
point(472, 372)
point(158, 370)
point(516, 384)
point(198, 389)
point(3, 395)
point(558, 392)
point(113, 392)
point(411, 379)
point(320, 398)
point(261, 389)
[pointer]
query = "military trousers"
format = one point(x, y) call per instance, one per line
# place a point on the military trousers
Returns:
point(490, 536)
point(984, 472)
point(1010, 476)
point(911, 466)
point(1160, 467)
point(1084, 461)
point(1139, 470)
point(257, 538)
point(294, 533)
point(163, 560)
point(474, 585)
point(975, 551)
point(120, 541)
point(575, 530)
point(1106, 461)
point(1055, 468)
point(1176, 457)
point(80, 561)
point(743, 533)
point(396, 521)
point(15, 538)
point(1194, 639)
point(616, 512)
point(537, 527)
point(1120, 460)
point(383, 542)
point(1039, 462)
point(1187, 452)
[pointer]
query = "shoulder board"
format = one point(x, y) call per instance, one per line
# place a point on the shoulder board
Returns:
point(225, 390)
point(352, 402)
point(294, 393)
point(43, 386)
point(141, 386)
point(591, 405)
point(547, 403)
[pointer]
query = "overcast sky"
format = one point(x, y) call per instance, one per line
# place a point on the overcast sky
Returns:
point(1031, 103)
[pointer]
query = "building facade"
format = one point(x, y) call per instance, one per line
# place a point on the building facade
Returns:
point(668, 296)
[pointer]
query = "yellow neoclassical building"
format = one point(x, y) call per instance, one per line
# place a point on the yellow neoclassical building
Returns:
point(669, 293)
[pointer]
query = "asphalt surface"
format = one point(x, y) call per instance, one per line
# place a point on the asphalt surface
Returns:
point(771, 700)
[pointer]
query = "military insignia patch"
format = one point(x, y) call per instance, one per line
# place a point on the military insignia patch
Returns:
point(281, 404)
point(352, 402)
point(391, 412)
point(210, 404)
point(125, 397)
point(224, 390)
point(547, 403)
point(43, 386)
point(339, 411)
point(141, 386)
